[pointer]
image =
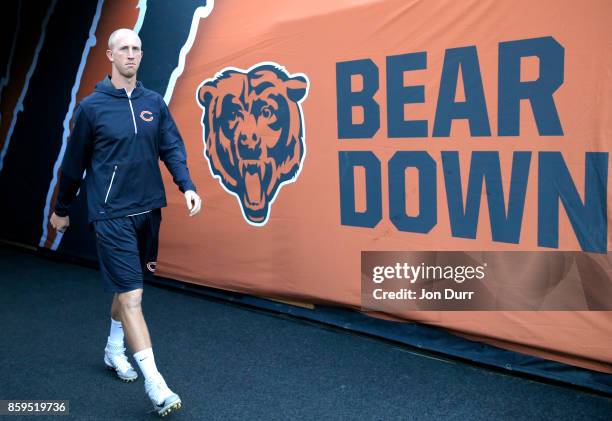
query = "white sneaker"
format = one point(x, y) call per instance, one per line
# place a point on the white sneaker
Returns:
point(163, 399)
point(115, 359)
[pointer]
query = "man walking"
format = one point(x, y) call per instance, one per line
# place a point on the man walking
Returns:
point(120, 132)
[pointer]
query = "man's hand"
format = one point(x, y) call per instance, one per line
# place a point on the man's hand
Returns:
point(60, 223)
point(194, 203)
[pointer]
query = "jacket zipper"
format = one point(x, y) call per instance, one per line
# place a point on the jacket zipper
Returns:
point(110, 185)
point(133, 117)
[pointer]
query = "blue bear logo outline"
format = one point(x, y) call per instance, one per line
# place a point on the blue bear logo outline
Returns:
point(254, 133)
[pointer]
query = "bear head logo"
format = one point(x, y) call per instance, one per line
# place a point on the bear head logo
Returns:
point(254, 133)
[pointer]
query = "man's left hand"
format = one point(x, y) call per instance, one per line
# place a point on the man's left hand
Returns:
point(194, 203)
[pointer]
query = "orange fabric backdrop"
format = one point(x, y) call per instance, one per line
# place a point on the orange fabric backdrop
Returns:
point(303, 252)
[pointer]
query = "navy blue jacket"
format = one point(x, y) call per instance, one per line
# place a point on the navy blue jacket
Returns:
point(118, 141)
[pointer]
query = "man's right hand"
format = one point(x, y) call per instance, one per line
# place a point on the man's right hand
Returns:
point(60, 223)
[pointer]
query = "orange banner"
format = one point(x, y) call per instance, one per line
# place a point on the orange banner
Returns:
point(318, 130)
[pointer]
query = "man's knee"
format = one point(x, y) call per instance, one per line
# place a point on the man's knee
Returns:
point(130, 299)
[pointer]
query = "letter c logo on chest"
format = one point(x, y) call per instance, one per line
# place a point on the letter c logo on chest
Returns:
point(146, 116)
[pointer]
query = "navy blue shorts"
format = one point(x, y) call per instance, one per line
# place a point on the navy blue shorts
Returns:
point(127, 249)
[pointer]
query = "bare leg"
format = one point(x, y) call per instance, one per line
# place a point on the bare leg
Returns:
point(114, 352)
point(134, 325)
point(115, 309)
point(139, 341)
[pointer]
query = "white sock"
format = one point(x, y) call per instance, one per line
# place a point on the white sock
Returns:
point(146, 362)
point(116, 332)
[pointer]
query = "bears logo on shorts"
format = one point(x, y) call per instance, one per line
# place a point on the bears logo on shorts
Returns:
point(254, 133)
point(151, 266)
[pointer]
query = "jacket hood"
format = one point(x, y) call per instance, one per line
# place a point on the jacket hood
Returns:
point(105, 86)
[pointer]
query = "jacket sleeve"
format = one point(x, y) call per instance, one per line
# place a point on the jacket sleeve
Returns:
point(76, 160)
point(172, 151)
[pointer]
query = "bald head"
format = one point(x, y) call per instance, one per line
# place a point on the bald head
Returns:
point(120, 34)
point(124, 52)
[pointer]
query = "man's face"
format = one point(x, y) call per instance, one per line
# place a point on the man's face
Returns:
point(126, 54)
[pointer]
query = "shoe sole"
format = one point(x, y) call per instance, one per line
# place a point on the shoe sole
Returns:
point(167, 410)
point(124, 379)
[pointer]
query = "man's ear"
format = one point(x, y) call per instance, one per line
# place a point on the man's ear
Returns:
point(109, 54)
